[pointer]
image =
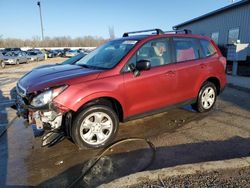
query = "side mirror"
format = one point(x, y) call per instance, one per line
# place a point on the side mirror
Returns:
point(140, 65)
point(143, 65)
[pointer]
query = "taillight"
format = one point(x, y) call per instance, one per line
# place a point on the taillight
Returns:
point(223, 60)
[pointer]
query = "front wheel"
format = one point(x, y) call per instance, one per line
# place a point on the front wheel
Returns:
point(2, 65)
point(207, 97)
point(95, 127)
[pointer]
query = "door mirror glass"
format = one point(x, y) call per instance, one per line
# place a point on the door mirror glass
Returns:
point(143, 65)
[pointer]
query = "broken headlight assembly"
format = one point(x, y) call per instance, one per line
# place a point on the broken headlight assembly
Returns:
point(47, 96)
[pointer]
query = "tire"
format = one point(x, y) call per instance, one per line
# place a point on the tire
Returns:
point(92, 134)
point(206, 98)
point(2, 65)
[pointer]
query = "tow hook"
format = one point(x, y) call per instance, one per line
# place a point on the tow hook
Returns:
point(35, 118)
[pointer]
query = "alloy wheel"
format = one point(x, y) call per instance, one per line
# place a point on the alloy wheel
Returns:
point(208, 98)
point(96, 128)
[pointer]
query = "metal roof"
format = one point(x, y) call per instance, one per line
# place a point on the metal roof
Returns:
point(213, 13)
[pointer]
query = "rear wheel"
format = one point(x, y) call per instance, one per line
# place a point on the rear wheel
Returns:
point(95, 127)
point(207, 97)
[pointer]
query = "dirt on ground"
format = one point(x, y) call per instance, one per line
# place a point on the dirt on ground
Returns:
point(216, 179)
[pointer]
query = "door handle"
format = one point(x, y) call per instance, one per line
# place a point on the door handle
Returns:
point(170, 73)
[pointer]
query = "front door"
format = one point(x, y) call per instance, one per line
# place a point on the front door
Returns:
point(152, 89)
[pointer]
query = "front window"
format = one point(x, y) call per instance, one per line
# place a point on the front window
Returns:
point(108, 55)
point(156, 51)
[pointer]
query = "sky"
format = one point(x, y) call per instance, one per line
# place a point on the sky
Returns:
point(78, 18)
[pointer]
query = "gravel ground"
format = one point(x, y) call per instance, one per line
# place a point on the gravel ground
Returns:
point(224, 178)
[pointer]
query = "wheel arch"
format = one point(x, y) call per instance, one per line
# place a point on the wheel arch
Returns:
point(107, 101)
point(216, 82)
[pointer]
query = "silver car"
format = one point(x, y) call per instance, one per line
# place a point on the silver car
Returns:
point(35, 56)
point(14, 58)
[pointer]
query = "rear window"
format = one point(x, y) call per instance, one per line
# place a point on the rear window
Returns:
point(186, 49)
point(208, 48)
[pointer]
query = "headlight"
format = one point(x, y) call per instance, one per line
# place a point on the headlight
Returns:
point(10, 60)
point(47, 96)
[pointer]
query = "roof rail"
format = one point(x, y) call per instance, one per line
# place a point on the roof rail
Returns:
point(158, 32)
point(185, 31)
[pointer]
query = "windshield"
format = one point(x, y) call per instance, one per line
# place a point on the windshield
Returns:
point(73, 51)
point(12, 54)
point(108, 55)
point(31, 53)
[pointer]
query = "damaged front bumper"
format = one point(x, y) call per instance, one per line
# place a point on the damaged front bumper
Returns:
point(49, 116)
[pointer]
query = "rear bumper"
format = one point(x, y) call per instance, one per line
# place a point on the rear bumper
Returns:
point(223, 81)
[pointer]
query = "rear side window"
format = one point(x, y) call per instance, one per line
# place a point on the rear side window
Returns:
point(186, 49)
point(208, 48)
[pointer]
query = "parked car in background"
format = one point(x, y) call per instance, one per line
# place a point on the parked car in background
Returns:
point(6, 50)
point(45, 53)
point(64, 51)
point(14, 58)
point(35, 55)
point(51, 53)
point(33, 50)
point(72, 53)
point(60, 52)
point(2, 60)
point(69, 61)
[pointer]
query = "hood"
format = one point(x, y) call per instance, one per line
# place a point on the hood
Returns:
point(46, 66)
point(9, 57)
point(46, 77)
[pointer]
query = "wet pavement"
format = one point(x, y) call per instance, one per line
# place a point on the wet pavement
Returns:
point(181, 136)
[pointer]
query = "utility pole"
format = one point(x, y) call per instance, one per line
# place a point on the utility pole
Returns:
point(41, 19)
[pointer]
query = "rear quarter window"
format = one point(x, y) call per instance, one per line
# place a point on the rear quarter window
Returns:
point(208, 48)
point(186, 49)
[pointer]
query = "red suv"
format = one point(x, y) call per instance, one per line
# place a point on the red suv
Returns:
point(126, 78)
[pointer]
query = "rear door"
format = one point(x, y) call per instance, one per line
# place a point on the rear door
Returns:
point(189, 67)
point(154, 88)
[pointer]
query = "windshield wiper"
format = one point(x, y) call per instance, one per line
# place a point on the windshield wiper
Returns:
point(92, 67)
point(83, 65)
